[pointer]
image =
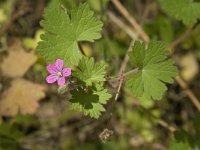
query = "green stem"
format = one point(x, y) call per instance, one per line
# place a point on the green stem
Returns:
point(131, 72)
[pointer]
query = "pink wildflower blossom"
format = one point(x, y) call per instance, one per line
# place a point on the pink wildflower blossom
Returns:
point(57, 73)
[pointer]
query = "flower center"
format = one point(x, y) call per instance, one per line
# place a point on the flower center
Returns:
point(59, 74)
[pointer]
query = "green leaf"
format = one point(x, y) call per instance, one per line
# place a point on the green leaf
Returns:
point(186, 10)
point(183, 140)
point(89, 72)
point(180, 141)
point(90, 100)
point(64, 29)
point(175, 145)
point(154, 70)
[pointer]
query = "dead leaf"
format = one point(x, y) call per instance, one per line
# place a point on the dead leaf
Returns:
point(18, 61)
point(22, 97)
point(190, 67)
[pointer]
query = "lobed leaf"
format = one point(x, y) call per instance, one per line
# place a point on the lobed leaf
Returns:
point(89, 72)
point(90, 100)
point(64, 29)
point(186, 10)
point(154, 70)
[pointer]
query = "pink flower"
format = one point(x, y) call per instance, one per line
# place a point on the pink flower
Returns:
point(57, 73)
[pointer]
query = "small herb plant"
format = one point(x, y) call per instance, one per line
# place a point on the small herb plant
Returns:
point(65, 29)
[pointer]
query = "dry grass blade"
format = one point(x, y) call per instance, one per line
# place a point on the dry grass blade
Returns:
point(131, 20)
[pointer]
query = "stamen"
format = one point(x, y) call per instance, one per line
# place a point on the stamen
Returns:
point(59, 74)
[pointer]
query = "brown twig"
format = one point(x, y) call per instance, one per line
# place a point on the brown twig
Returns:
point(121, 80)
point(166, 125)
point(119, 86)
point(147, 9)
point(161, 122)
point(182, 37)
point(131, 20)
point(121, 24)
point(122, 69)
point(189, 93)
point(131, 72)
point(126, 58)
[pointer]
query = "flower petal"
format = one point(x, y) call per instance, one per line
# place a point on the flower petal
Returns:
point(52, 69)
point(67, 72)
point(59, 64)
point(51, 78)
point(61, 81)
